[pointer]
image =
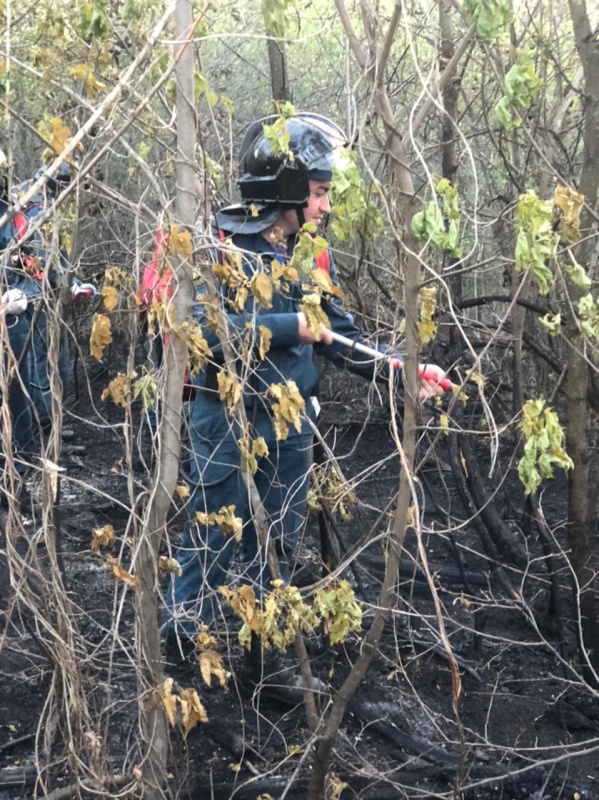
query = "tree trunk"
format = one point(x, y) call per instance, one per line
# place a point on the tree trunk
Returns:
point(577, 379)
point(401, 186)
point(279, 81)
point(153, 723)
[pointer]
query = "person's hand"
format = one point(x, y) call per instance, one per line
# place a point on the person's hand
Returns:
point(307, 336)
point(429, 386)
point(79, 290)
point(14, 301)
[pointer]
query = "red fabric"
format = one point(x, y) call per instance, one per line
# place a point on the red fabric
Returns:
point(155, 286)
point(20, 221)
point(323, 261)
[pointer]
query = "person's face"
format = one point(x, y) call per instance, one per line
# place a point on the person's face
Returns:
point(317, 207)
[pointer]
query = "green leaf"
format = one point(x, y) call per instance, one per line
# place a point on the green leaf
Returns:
point(536, 240)
point(552, 323)
point(543, 451)
point(521, 84)
point(578, 276)
point(491, 17)
point(353, 211)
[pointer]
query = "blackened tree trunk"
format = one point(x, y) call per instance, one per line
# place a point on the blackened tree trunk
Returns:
point(577, 380)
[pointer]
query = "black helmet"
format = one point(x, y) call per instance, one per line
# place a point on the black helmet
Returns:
point(269, 177)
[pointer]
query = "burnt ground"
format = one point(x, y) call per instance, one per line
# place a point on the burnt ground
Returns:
point(526, 728)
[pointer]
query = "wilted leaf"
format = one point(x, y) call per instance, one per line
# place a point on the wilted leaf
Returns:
point(287, 411)
point(101, 335)
point(543, 437)
point(198, 350)
point(146, 388)
point(335, 787)
point(60, 135)
point(182, 490)
point(552, 323)
point(578, 276)
point(193, 710)
point(229, 389)
point(444, 423)
point(166, 564)
point(111, 297)
point(121, 573)
point(568, 205)
point(265, 339)
point(340, 609)
point(180, 241)
point(225, 519)
point(119, 390)
point(102, 537)
point(324, 282)
point(315, 316)
point(261, 287)
point(243, 603)
point(170, 701)
point(211, 664)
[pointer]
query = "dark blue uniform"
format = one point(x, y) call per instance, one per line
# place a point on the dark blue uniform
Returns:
point(37, 357)
point(215, 466)
point(17, 330)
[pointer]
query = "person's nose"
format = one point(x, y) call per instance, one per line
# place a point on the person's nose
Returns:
point(325, 204)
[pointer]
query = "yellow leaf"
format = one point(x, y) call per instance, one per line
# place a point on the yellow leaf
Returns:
point(427, 330)
point(287, 411)
point(225, 519)
point(279, 271)
point(229, 389)
point(102, 537)
point(192, 708)
point(335, 786)
point(444, 423)
point(197, 346)
point(323, 280)
point(59, 136)
point(180, 242)
point(211, 663)
point(170, 701)
point(101, 336)
point(265, 339)
point(93, 86)
point(119, 389)
point(111, 297)
point(182, 490)
point(121, 573)
point(80, 71)
point(261, 287)
point(166, 564)
point(243, 603)
point(567, 207)
point(312, 310)
point(66, 242)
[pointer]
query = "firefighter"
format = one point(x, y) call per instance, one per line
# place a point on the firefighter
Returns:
point(281, 192)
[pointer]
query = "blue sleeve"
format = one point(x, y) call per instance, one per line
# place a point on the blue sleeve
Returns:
point(342, 356)
point(284, 327)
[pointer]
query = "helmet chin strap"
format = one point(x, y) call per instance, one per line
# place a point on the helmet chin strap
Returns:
point(299, 210)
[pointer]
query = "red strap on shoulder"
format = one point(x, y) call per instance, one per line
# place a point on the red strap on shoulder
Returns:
point(323, 261)
point(21, 225)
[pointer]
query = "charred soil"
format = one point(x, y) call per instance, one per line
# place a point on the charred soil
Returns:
point(525, 727)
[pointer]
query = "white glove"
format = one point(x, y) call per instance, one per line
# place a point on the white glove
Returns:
point(79, 290)
point(14, 301)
